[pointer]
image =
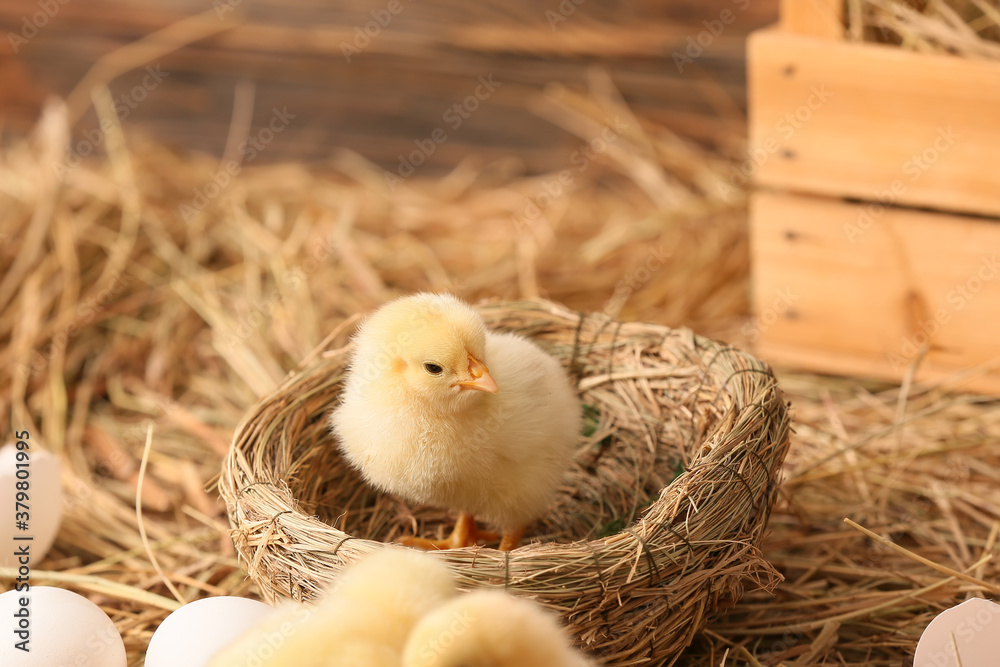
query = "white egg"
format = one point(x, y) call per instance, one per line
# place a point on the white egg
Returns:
point(968, 634)
point(37, 473)
point(197, 631)
point(59, 628)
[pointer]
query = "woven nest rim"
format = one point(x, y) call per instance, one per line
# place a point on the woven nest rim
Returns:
point(672, 548)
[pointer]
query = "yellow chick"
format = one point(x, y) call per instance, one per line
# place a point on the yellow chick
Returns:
point(490, 629)
point(362, 622)
point(402, 583)
point(440, 411)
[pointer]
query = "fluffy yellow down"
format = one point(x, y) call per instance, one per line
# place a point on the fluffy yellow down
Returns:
point(490, 629)
point(419, 419)
point(363, 622)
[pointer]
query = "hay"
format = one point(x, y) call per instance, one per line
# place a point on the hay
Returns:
point(966, 28)
point(925, 486)
point(654, 530)
point(122, 314)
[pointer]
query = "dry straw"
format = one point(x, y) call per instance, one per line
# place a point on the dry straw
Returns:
point(116, 312)
point(966, 28)
point(163, 342)
point(656, 527)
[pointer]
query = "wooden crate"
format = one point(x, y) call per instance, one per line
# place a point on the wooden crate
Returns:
point(874, 220)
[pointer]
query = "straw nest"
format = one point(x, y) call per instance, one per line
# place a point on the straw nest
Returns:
point(656, 526)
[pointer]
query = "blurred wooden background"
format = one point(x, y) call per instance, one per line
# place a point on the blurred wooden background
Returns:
point(398, 88)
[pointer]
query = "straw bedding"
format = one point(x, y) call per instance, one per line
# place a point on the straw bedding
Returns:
point(121, 320)
point(654, 530)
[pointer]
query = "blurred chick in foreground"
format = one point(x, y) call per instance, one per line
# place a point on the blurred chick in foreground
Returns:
point(490, 629)
point(363, 621)
point(399, 608)
point(440, 411)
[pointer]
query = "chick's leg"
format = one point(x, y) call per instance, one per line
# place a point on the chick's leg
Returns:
point(469, 534)
point(465, 534)
point(511, 539)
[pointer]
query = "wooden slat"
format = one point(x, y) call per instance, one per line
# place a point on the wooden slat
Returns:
point(874, 122)
point(848, 288)
point(18, 92)
point(818, 18)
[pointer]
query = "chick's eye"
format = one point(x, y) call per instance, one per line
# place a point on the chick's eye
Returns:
point(432, 368)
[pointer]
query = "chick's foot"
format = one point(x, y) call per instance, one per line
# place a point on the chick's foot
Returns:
point(465, 534)
point(511, 539)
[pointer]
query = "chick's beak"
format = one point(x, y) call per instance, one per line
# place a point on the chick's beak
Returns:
point(481, 378)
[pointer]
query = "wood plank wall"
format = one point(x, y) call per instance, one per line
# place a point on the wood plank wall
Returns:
point(399, 87)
